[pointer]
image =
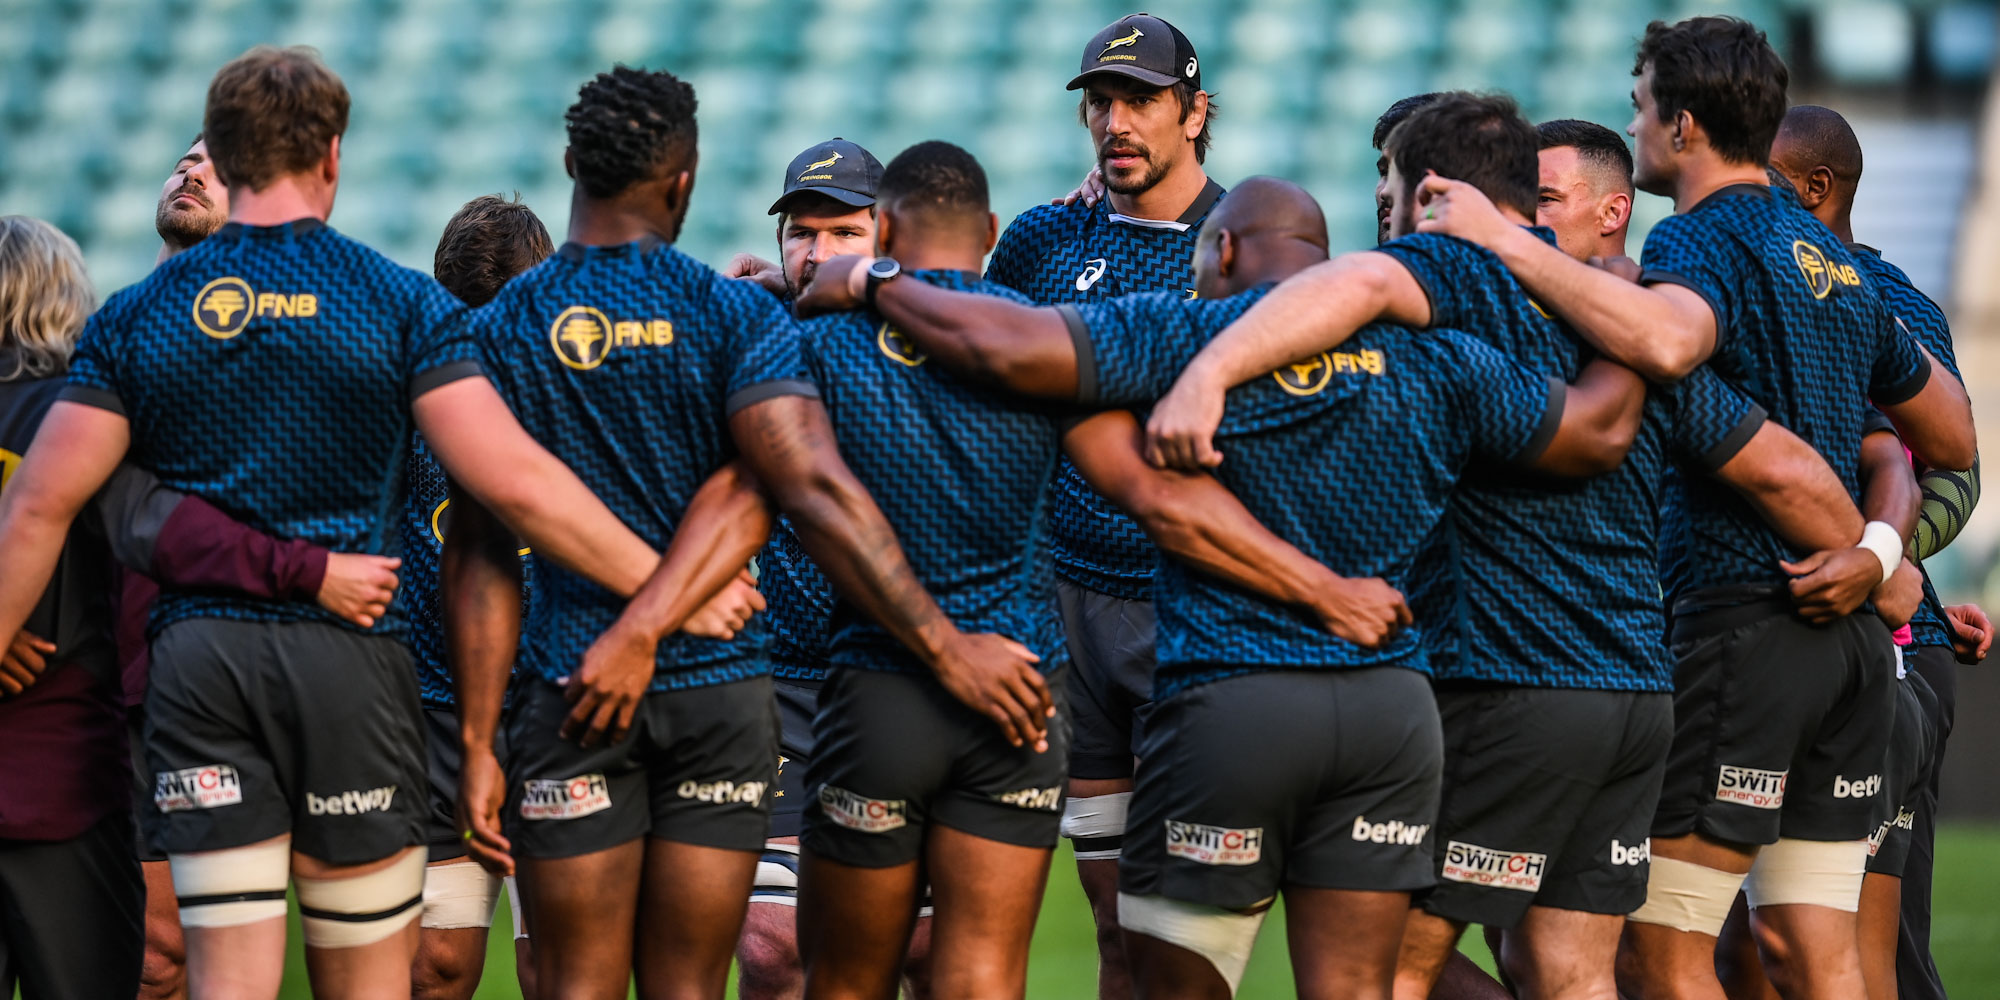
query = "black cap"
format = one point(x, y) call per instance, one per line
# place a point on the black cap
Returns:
point(1142, 47)
point(836, 168)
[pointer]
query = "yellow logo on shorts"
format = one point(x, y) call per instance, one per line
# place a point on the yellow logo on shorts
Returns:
point(1308, 377)
point(1821, 274)
point(225, 306)
point(898, 347)
point(583, 337)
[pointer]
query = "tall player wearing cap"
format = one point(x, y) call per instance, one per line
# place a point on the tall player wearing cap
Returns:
point(1775, 719)
point(1148, 120)
point(827, 208)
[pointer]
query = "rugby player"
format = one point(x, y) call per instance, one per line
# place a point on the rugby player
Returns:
point(1379, 140)
point(1192, 925)
point(68, 878)
point(825, 208)
point(484, 244)
point(1734, 278)
point(1584, 194)
point(193, 202)
point(636, 796)
point(303, 780)
point(1817, 152)
point(1543, 827)
point(1149, 123)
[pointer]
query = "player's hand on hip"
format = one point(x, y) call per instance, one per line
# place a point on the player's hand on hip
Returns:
point(1180, 434)
point(1972, 633)
point(1897, 598)
point(358, 587)
point(605, 692)
point(24, 662)
point(1456, 208)
point(1366, 612)
point(758, 271)
point(997, 676)
point(1831, 583)
point(482, 793)
point(728, 611)
point(833, 287)
point(1090, 191)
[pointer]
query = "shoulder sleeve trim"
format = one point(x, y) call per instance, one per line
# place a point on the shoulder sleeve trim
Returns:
point(1655, 276)
point(1734, 442)
point(90, 395)
point(751, 395)
point(451, 371)
point(1086, 357)
point(1552, 418)
point(1906, 390)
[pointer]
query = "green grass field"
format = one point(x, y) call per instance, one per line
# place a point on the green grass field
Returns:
point(1966, 934)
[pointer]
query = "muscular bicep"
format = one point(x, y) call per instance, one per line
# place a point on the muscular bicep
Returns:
point(1935, 420)
point(1793, 488)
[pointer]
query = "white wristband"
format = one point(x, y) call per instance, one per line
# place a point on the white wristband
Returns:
point(1886, 542)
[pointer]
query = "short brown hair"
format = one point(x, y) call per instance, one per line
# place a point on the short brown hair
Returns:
point(1723, 71)
point(272, 112)
point(486, 244)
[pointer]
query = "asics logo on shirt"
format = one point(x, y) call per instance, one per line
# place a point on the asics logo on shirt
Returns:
point(583, 337)
point(1821, 274)
point(1093, 269)
point(226, 305)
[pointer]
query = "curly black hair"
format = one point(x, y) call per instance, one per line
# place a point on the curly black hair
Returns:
point(629, 125)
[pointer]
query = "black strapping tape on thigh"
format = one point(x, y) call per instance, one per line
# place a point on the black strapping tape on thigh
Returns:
point(360, 918)
point(1087, 845)
point(231, 897)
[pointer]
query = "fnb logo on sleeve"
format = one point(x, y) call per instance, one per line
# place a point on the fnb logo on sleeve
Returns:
point(564, 798)
point(1859, 788)
point(351, 803)
point(1215, 845)
point(859, 812)
point(1393, 832)
point(1476, 865)
point(204, 787)
point(1044, 799)
point(1751, 787)
point(225, 306)
point(723, 792)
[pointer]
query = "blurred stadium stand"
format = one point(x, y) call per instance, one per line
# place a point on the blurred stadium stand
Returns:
point(454, 98)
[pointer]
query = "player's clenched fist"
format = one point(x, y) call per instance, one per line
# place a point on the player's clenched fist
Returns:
point(997, 676)
point(1365, 612)
point(358, 586)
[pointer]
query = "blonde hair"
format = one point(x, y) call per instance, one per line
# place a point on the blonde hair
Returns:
point(44, 298)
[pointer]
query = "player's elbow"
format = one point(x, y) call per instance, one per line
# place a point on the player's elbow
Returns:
point(1168, 516)
point(1666, 357)
point(1956, 448)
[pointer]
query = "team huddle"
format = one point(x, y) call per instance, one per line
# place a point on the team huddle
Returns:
point(789, 614)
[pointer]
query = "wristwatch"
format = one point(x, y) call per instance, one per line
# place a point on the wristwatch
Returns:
point(880, 270)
